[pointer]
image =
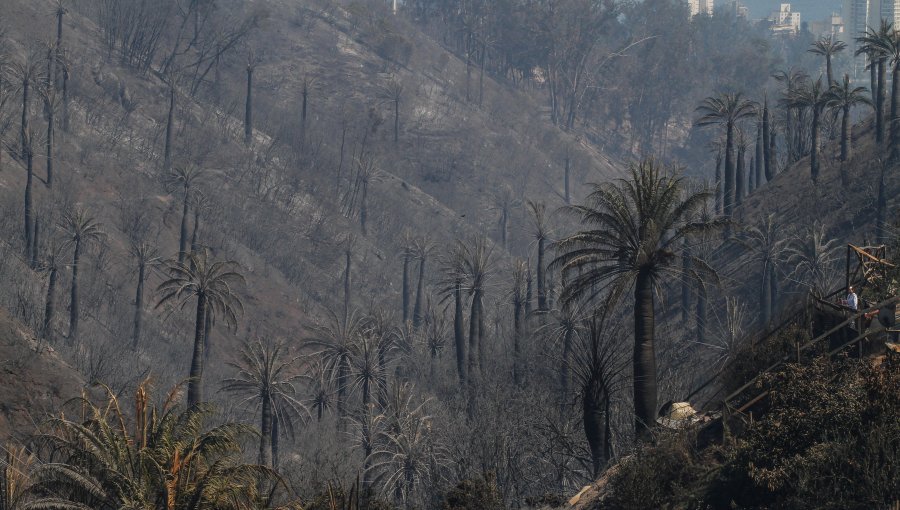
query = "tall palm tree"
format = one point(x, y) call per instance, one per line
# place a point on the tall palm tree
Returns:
point(477, 265)
point(842, 97)
point(407, 250)
point(82, 231)
point(452, 287)
point(517, 297)
point(726, 110)
point(597, 367)
point(212, 283)
point(335, 341)
point(814, 97)
point(423, 249)
point(186, 178)
point(504, 200)
point(791, 79)
point(890, 47)
point(633, 231)
point(828, 46)
point(266, 382)
point(768, 244)
point(147, 256)
point(874, 43)
point(540, 229)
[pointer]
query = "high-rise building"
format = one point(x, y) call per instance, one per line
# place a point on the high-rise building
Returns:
point(860, 15)
point(701, 7)
point(785, 21)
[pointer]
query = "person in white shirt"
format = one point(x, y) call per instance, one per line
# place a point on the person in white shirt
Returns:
point(852, 300)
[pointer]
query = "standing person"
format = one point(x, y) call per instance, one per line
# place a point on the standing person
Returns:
point(852, 299)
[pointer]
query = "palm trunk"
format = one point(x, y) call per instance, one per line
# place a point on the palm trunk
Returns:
point(183, 236)
point(773, 152)
point(767, 148)
point(405, 287)
point(701, 314)
point(504, 227)
point(29, 206)
point(458, 335)
point(24, 125)
point(773, 292)
point(73, 306)
point(138, 306)
point(420, 291)
point(740, 176)
point(65, 99)
point(564, 371)
point(474, 340)
point(685, 282)
point(248, 108)
point(828, 71)
point(275, 436)
point(528, 292)
point(265, 429)
point(347, 282)
point(396, 120)
point(517, 341)
point(50, 137)
point(879, 102)
point(845, 134)
point(50, 304)
point(644, 355)
point(195, 394)
point(719, 190)
point(542, 291)
point(593, 414)
point(170, 121)
point(566, 182)
point(728, 192)
point(881, 210)
point(765, 294)
point(814, 150)
point(895, 120)
point(760, 158)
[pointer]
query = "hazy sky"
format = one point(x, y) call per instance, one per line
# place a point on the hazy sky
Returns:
point(810, 10)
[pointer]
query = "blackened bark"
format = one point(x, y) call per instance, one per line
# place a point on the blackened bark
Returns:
point(195, 392)
point(644, 355)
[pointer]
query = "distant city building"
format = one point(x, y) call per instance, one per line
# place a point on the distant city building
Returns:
point(701, 7)
point(830, 26)
point(785, 21)
point(858, 16)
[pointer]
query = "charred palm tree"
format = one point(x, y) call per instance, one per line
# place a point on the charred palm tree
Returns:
point(452, 288)
point(874, 43)
point(841, 98)
point(184, 178)
point(726, 110)
point(828, 46)
point(146, 255)
point(814, 97)
point(517, 297)
point(266, 382)
point(211, 283)
point(407, 250)
point(768, 244)
point(423, 249)
point(503, 202)
point(791, 80)
point(540, 230)
point(598, 368)
point(633, 231)
point(82, 231)
point(477, 266)
point(335, 341)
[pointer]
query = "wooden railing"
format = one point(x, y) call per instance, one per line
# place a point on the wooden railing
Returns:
point(855, 318)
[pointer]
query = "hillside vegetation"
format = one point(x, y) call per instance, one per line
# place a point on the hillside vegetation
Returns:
point(322, 254)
